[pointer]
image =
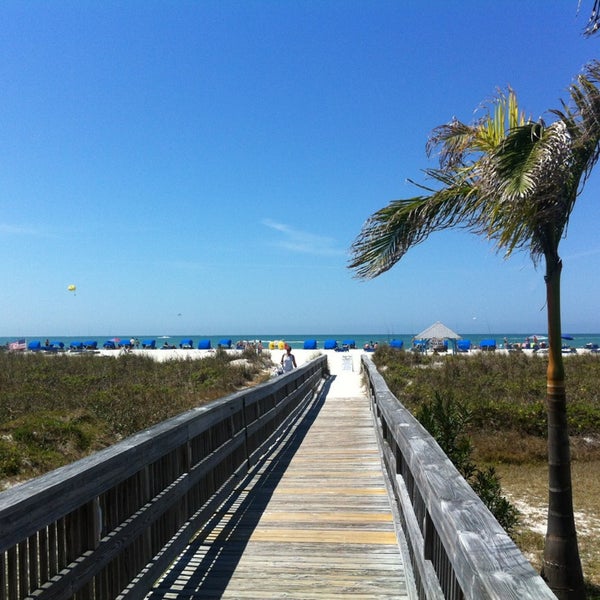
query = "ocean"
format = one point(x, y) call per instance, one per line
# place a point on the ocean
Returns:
point(296, 340)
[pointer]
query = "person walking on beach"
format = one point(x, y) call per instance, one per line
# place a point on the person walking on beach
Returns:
point(288, 360)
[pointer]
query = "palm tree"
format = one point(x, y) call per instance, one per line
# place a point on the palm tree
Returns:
point(515, 181)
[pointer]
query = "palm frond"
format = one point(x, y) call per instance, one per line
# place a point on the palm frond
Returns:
point(384, 238)
point(459, 144)
point(532, 171)
point(503, 116)
point(388, 234)
point(451, 141)
point(593, 25)
point(583, 120)
point(513, 161)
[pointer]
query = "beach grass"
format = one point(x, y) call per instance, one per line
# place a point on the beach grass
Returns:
point(504, 396)
point(58, 408)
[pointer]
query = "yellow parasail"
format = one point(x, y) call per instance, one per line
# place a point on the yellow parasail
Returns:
point(71, 287)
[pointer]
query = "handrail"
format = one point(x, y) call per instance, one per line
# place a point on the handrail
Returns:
point(457, 548)
point(109, 524)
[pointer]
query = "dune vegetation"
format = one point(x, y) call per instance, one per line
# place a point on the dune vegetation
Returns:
point(55, 409)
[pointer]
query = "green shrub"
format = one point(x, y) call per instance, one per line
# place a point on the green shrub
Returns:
point(48, 431)
point(447, 421)
point(486, 484)
point(45, 440)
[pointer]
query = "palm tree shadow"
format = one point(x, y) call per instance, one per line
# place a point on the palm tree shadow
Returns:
point(211, 558)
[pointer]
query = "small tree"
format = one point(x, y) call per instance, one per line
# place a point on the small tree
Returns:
point(516, 182)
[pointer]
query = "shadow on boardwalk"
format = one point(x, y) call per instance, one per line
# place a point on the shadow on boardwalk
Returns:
point(208, 563)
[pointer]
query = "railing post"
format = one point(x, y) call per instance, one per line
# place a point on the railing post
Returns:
point(245, 427)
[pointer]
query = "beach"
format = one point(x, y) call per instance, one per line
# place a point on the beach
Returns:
point(302, 356)
point(191, 348)
point(295, 340)
point(347, 360)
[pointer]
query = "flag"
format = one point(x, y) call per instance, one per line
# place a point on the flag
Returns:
point(18, 345)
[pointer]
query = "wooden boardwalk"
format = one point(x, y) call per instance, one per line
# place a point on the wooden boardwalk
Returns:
point(314, 521)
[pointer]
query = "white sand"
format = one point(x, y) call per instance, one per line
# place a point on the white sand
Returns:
point(346, 366)
point(334, 358)
point(338, 361)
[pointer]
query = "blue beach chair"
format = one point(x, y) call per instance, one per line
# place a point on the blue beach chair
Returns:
point(53, 347)
point(330, 344)
point(310, 344)
point(487, 345)
point(204, 345)
point(47, 347)
point(463, 345)
point(419, 345)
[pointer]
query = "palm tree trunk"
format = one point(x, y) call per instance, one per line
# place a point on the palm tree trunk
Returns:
point(561, 566)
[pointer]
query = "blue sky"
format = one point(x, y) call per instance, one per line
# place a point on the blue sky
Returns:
point(203, 167)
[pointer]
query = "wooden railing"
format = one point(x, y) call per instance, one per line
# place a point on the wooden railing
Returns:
point(108, 525)
point(457, 548)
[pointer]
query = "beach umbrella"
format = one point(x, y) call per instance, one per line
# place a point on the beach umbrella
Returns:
point(439, 331)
